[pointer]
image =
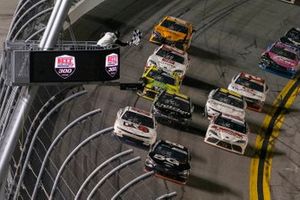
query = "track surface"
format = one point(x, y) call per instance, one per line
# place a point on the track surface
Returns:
point(230, 36)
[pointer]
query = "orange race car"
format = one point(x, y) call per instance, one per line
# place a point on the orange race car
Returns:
point(174, 32)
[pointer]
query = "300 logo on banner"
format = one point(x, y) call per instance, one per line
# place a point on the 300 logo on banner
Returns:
point(65, 66)
point(112, 64)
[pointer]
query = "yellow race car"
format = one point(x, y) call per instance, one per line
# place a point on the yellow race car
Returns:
point(156, 80)
point(174, 32)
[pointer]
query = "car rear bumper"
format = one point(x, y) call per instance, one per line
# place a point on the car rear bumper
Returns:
point(168, 175)
point(269, 65)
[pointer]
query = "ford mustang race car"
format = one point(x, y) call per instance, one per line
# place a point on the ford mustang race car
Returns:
point(169, 59)
point(253, 88)
point(292, 37)
point(222, 100)
point(174, 107)
point(227, 133)
point(169, 160)
point(135, 124)
point(282, 59)
point(156, 80)
point(173, 31)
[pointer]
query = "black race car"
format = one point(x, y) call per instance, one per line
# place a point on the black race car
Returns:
point(169, 160)
point(173, 107)
point(292, 37)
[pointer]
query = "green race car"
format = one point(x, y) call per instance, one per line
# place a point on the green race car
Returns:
point(156, 80)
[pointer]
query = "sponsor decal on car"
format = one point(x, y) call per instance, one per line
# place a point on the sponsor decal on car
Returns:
point(64, 66)
point(111, 64)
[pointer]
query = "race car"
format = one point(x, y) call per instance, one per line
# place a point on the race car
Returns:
point(221, 100)
point(169, 59)
point(282, 59)
point(292, 1)
point(173, 107)
point(292, 37)
point(136, 125)
point(169, 160)
point(156, 80)
point(253, 88)
point(173, 31)
point(228, 133)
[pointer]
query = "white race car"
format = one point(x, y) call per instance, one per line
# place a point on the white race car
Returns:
point(253, 88)
point(221, 100)
point(136, 124)
point(169, 59)
point(228, 133)
point(292, 37)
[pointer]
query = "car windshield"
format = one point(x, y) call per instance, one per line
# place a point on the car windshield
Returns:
point(228, 99)
point(138, 119)
point(294, 34)
point(282, 52)
point(250, 84)
point(228, 123)
point(174, 26)
point(167, 54)
point(172, 152)
point(161, 77)
point(174, 101)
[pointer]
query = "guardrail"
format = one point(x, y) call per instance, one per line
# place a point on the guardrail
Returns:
point(28, 25)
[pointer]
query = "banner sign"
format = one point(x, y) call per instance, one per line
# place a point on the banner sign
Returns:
point(74, 66)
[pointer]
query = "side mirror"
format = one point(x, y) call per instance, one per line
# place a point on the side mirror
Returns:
point(267, 88)
point(119, 113)
point(192, 107)
point(233, 78)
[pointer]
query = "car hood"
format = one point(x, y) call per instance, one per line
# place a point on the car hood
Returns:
point(283, 61)
point(247, 92)
point(227, 134)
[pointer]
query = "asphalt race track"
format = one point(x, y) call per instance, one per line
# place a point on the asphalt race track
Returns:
point(230, 36)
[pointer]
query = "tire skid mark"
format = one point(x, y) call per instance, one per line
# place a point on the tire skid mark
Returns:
point(215, 17)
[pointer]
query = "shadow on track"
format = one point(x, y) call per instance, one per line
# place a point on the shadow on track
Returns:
point(196, 83)
point(192, 128)
point(198, 109)
point(253, 152)
point(204, 54)
point(209, 186)
point(256, 128)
